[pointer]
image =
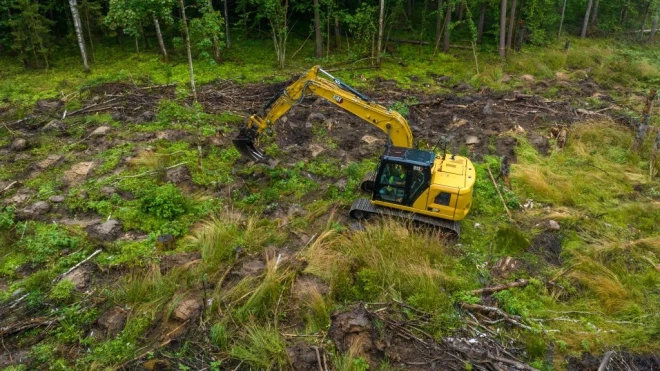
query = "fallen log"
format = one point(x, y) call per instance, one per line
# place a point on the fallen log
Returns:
point(490, 290)
point(26, 325)
point(414, 42)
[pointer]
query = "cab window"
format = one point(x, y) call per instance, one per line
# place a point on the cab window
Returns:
point(392, 182)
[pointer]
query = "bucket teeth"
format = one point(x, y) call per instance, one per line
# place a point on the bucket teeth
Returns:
point(244, 143)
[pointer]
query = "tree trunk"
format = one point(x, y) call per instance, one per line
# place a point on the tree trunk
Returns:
point(445, 45)
point(482, 19)
point(337, 33)
point(89, 33)
point(460, 11)
point(438, 24)
point(327, 41)
point(512, 23)
point(159, 35)
point(317, 30)
point(214, 41)
point(381, 18)
point(646, 17)
point(79, 33)
point(594, 15)
point(585, 24)
point(503, 30)
point(228, 39)
point(410, 9)
point(561, 21)
point(188, 51)
point(654, 28)
point(137, 47)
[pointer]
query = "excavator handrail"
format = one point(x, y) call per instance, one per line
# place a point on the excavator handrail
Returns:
point(340, 94)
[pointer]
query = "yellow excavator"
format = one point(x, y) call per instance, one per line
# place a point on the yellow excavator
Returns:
point(408, 182)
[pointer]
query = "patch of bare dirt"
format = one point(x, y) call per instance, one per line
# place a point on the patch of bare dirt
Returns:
point(620, 361)
point(548, 245)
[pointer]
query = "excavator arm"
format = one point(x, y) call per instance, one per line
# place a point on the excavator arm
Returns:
point(333, 90)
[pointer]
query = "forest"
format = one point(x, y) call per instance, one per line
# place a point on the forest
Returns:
point(136, 235)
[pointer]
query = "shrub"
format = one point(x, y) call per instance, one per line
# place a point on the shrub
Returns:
point(164, 202)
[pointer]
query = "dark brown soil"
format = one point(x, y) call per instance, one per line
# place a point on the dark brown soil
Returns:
point(548, 246)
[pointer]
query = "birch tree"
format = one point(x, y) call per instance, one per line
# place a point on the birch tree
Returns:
point(503, 30)
point(512, 22)
point(318, 36)
point(585, 24)
point(79, 32)
point(186, 34)
point(381, 16)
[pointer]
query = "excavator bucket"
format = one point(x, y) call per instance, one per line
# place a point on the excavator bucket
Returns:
point(244, 143)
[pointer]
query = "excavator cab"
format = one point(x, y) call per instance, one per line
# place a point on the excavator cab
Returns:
point(403, 175)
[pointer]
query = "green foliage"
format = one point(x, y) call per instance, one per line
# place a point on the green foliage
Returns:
point(45, 241)
point(164, 202)
point(63, 290)
point(262, 348)
point(6, 218)
point(219, 335)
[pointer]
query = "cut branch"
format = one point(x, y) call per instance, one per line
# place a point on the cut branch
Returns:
point(490, 290)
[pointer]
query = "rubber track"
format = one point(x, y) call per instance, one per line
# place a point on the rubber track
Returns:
point(366, 206)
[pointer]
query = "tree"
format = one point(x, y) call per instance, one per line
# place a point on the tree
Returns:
point(276, 12)
point(561, 22)
point(30, 32)
point(512, 22)
point(585, 24)
point(228, 39)
point(186, 34)
point(502, 30)
point(654, 28)
point(79, 32)
point(438, 24)
point(206, 31)
point(447, 27)
point(208, 10)
point(380, 31)
point(482, 18)
point(317, 30)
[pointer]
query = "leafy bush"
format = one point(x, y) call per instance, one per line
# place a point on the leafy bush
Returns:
point(6, 218)
point(165, 202)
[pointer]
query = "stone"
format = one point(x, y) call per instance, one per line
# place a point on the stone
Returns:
point(18, 144)
point(18, 198)
point(46, 105)
point(78, 172)
point(472, 140)
point(527, 78)
point(79, 277)
point(251, 268)
point(488, 109)
point(296, 210)
point(553, 225)
point(100, 131)
point(56, 199)
point(118, 116)
point(316, 117)
point(463, 87)
point(370, 139)
point(315, 149)
point(178, 175)
point(562, 76)
point(108, 192)
point(458, 122)
point(165, 242)
point(146, 116)
point(108, 231)
point(541, 143)
point(187, 309)
point(48, 162)
point(55, 125)
point(112, 321)
point(33, 211)
point(22, 157)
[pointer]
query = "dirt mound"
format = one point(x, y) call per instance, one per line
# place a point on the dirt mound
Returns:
point(548, 245)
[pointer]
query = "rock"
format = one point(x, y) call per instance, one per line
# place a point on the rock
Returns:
point(79, 277)
point(33, 211)
point(187, 309)
point(168, 262)
point(488, 109)
point(56, 199)
point(316, 117)
point(369, 139)
point(48, 105)
point(353, 330)
point(48, 162)
point(463, 87)
point(22, 157)
point(78, 172)
point(108, 192)
point(472, 140)
point(341, 184)
point(251, 268)
point(146, 116)
point(18, 144)
point(112, 321)
point(540, 142)
point(178, 175)
point(553, 225)
point(315, 149)
point(165, 242)
point(20, 197)
point(55, 125)
point(458, 122)
point(118, 116)
point(100, 131)
point(296, 210)
point(527, 78)
point(105, 232)
point(303, 356)
point(562, 76)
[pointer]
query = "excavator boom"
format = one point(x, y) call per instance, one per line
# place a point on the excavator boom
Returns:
point(332, 90)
